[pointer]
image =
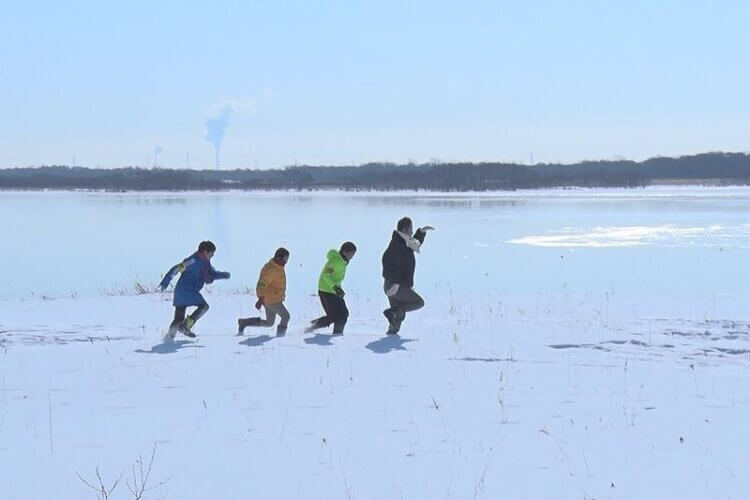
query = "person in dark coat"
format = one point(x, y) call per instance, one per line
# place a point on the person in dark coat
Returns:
point(195, 272)
point(398, 273)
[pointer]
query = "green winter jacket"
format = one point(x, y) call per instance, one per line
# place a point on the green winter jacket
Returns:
point(333, 272)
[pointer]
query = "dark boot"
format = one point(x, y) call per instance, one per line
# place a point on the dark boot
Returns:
point(187, 326)
point(280, 331)
point(390, 315)
point(241, 325)
point(314, 325)
point(174, 328)
point(394, 317)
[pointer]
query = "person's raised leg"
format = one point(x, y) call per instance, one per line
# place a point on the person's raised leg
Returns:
point(405, 300)
point(410, 300)
point(322, 322)
point(243, 323)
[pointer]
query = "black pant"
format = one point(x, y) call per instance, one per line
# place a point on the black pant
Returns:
point(405, 300)
point(179, 314)
point(336, 312)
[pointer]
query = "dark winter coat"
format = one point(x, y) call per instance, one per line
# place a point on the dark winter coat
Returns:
point(398, 260)
point(196, 271)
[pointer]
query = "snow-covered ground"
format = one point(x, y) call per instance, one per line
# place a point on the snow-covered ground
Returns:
point(491, 397)
point(575, 344)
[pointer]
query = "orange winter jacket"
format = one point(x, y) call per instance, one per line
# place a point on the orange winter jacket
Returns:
point(271, 283)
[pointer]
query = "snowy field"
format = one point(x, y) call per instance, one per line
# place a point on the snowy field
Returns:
point(575, 344)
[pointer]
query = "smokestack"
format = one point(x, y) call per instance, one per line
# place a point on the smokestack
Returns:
point(157, 150)
point(216, 127)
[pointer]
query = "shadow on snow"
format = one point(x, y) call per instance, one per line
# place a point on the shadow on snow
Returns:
point(169, 347)
point(320, 339)
point(256, 341)
point(388, 344)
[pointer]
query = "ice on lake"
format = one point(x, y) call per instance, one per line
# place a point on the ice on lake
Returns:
point(575, 344)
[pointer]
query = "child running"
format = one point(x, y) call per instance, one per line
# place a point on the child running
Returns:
point(271, 290)
point(195, 271)
point(330, 292)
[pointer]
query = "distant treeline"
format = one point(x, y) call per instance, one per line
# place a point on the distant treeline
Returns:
point(710, 168)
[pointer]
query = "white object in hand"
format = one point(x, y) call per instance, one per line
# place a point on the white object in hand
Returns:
point(393, 290)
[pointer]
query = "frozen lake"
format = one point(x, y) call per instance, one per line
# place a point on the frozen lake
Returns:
point(656, 240)
point(578, 344)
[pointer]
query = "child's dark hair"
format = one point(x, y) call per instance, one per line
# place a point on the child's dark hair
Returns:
point(348, 247)
point(206, 246)
point(281, 253)
point(403, 223)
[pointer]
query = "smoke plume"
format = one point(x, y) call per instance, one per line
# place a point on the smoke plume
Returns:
point(216, 127)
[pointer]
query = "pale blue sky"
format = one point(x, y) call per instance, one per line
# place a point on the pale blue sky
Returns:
point(351, 82)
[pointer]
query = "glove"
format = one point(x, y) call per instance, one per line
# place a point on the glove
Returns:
point(426, 228)
point(393, 290)
point(338, 291)
point(224, 276)
point(161, 288)
point(261, 301)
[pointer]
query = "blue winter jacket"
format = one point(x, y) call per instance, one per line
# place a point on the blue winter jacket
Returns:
point(196, 271)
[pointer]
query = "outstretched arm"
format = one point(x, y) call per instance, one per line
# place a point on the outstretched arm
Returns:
point(422, 232)
point(179, 268)
point(212, 274)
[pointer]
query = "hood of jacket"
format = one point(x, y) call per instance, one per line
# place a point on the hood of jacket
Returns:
point(334, 255)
